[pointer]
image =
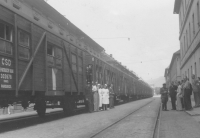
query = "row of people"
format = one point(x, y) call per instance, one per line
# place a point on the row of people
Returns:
point(103, 96)
point(180, 94)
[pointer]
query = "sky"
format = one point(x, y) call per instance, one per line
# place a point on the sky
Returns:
point(152, 27)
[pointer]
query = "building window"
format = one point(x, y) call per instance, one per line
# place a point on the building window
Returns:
point(184, 46)
point(198, 18)
point(185, 6)
point(54, 56)
point(58, 53)
point(181, 50)
point(182, 11)
point(24, 45)
point(185, 73)
point(50, 50)
point(193, 23)
point(190, 34)
point(180, 21)
point(59, 63)
point(186, 40)
point(6, 32)
point(191, 72)
point(195, 69)
point(80, 65)
point(6, 38)
point(74, 62)
point(24, 52)
point(23, 38)
point(5, 47)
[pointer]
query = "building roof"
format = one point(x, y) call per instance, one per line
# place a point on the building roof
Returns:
point(166, 72)
point(50, 12)
point(177, 5)
point(177, 53)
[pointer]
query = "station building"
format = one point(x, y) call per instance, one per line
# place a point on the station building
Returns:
point(189, 36)
point(174, 72)
point(167, 77)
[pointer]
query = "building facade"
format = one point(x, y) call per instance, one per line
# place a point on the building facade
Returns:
point(174, 72)
point(189, 36)
point(167, 76)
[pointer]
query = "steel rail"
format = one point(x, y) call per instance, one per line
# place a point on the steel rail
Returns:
point(157, 124)
point(157, 127)
point(121, 119)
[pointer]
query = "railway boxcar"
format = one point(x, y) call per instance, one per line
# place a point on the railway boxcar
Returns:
point(46, 60)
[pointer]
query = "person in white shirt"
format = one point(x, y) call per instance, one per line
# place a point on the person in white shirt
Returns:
point(100, 96)
point(95, 97)
point(105, 100)
point(179, 96)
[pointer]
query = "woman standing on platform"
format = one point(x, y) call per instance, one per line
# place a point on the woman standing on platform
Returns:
point(95, 97)
point(179, 96)
point(100, 96)
point(187, 94)
point(105, 97)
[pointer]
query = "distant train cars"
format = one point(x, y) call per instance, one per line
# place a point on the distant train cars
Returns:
point(46, 60)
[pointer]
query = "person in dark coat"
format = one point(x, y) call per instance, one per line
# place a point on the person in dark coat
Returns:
point(89, 98)
point(182, 98)
point(111, 96)
point(173, 93)
point(164, 97)
point(195, 88)
point(95, 97)
point(187, 94)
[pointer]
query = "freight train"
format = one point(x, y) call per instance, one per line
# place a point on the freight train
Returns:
point(46, 59)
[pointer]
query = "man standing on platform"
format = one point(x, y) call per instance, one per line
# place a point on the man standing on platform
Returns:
point(164, 97)
point(195, 89)
point(172, 93)
point(89, 98)
point(95, 97)
point(111, 96)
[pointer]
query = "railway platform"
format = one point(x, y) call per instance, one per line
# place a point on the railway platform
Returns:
point(179, 124)
point(142, 118)
point(134, 119)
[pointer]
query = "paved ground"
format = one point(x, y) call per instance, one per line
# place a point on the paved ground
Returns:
point(138, 125)
point(85, 125)
point(178, 124)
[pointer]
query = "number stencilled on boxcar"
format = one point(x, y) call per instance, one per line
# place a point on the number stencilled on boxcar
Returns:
point(6, 73)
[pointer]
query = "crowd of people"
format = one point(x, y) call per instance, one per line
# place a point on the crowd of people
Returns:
point(180, 93)
point(102, 97)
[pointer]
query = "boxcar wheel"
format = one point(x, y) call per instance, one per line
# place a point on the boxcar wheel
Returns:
point(41, 107)
point(67, 106)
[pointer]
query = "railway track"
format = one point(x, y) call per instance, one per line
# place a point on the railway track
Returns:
point(155, 125)
point(24, 122)
point(135, 117)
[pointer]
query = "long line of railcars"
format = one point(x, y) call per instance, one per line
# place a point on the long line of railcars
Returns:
point(46, 60)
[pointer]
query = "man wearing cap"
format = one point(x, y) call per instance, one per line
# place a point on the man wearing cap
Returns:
point(111, 96)
point(195, 90)
point(164, 97)
point(89, 98)
point(173, 93)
